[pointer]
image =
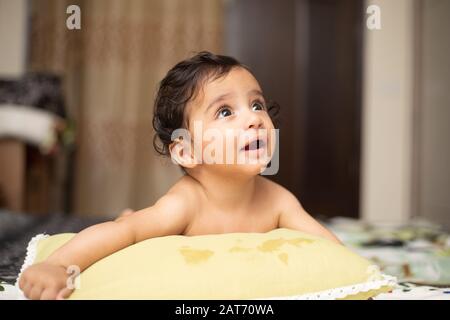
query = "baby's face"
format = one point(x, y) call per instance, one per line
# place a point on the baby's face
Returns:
point(236, 127)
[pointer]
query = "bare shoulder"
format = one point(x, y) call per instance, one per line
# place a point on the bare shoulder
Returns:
point(170, 215)
point(183, 196)
point(279, 196)
point(291, 213)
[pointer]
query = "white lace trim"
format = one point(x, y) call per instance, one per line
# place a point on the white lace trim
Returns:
point(31, 254)
point(342, 292)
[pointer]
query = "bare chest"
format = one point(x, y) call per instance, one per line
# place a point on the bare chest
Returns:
point(217, 222)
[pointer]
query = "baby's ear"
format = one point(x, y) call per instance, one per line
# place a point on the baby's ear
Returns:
point(182, 154)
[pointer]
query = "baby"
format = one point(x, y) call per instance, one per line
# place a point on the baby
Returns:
point(222, 97)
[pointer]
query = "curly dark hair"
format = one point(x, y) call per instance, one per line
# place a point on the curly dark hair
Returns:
point(180, 85)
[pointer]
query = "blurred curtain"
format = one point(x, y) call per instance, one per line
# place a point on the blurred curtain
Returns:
point(111, 69)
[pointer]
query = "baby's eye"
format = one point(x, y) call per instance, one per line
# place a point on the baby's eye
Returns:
point(224, 112)
point(258, 106)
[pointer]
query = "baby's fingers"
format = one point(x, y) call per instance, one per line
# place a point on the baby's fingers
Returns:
point(35, 293)
point(64, 293)
point(22, 283)
point(26, 289)
point(49, 294)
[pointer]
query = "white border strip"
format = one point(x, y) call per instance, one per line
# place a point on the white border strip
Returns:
point(342, 292)
point(30, 255)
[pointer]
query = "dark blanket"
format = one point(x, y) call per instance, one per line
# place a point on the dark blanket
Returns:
point(40, 90)
point(16, 230)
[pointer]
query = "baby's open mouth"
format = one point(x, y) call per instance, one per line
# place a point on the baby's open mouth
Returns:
point(254, 145)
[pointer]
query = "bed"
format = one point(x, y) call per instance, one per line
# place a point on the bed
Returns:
point(418, 254)
point(17, 229)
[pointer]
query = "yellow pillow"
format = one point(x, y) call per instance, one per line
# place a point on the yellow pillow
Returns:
point(282, 263)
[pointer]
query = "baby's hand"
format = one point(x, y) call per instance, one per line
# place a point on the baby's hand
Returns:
point(45, 281)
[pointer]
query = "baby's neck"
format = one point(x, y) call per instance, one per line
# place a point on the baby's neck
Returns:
point(228, 192)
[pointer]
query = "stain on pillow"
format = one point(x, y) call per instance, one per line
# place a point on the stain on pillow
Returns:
point(193, 256)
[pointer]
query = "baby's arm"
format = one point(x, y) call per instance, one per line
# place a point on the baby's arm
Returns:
point(293, 216)
point(47, 280)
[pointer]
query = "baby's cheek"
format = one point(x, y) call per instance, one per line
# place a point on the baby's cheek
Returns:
point(223, 149)
point(211, 150)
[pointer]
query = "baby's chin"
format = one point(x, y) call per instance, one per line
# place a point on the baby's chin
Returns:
point(251, 169)
point(247, 169)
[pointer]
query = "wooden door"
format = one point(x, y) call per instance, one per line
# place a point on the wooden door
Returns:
point(307, 56)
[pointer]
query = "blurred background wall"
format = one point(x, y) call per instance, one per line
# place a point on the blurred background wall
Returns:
point(365, 113)
point(387, 130)
point(13, 30)
point(406, 114)
point(433, 113)
point(13, 25)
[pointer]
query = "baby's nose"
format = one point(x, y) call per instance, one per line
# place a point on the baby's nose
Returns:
point(254, 121)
